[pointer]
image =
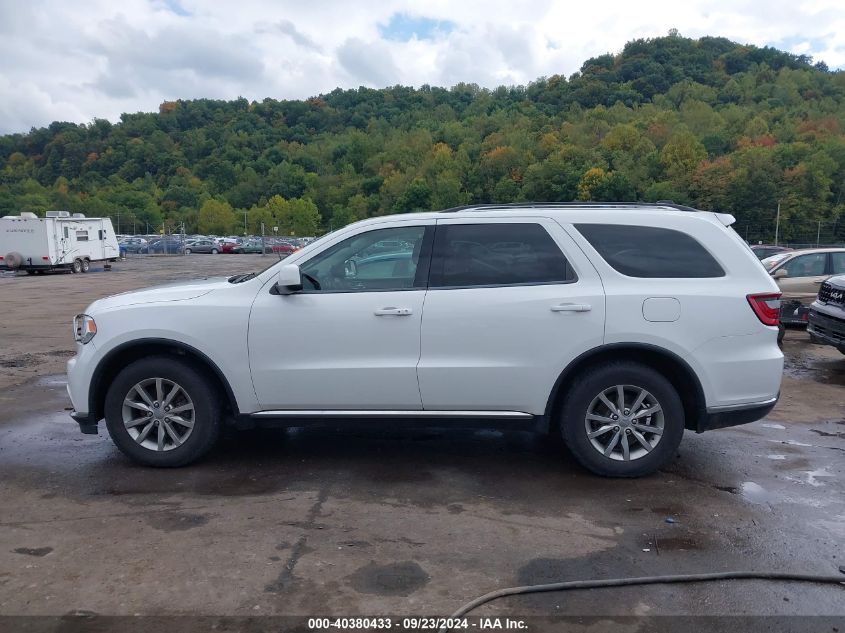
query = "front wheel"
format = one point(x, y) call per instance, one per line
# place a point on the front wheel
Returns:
point(161, 411)
point(622, 420)
point(187, 251)
point(214, 251)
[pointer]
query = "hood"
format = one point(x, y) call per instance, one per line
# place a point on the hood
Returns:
point(177, 291)
point(838, 281)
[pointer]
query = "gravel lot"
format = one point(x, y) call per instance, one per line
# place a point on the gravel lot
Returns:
point(391, 521)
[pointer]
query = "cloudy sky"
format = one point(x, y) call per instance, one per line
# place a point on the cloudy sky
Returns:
point(74, 61)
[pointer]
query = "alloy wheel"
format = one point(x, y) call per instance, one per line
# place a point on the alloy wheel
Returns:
point(624, 422)
point(158, 414)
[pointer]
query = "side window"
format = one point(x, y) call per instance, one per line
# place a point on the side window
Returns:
point(496, 254)
point(650, 252)
point(82, 236)
point(837, 260)
point(382, 259)
point(811, 265)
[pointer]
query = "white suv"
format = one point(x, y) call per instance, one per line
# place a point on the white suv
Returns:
point(616, 325)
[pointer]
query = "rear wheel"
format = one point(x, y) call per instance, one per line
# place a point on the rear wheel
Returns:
point(214, 251)
point(76, 267)
point(162, 412)
point(188, 251)
point(622, 420)
point(29, 271)
point(86, 265)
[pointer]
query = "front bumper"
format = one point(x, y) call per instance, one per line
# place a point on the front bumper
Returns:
point(827, 329)
point(734, 415)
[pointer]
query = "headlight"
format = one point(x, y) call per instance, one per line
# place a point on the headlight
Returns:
point(84, 328)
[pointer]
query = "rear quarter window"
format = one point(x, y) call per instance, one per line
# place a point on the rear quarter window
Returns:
point(651, 252)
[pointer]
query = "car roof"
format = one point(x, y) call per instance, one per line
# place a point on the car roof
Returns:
point(572, 211)
point(804, 251)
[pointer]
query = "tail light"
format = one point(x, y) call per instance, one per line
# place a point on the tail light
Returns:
point(766, 307)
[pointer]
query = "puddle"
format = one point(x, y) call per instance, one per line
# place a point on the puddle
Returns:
point(814, 475)
point(790, 442)
point(755, 493)
point(772, 425)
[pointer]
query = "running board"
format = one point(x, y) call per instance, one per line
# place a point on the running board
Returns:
point(380, 413)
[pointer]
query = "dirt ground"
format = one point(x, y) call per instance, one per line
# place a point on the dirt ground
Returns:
point(388, 521)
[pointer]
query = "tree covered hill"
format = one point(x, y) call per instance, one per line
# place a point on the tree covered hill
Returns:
point(705, 122)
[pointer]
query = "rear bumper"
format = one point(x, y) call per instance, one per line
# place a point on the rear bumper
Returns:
point(734, 415)
point(794, 312)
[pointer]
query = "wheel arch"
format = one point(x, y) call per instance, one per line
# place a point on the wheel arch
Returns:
point(131, 351)
point(674, 368)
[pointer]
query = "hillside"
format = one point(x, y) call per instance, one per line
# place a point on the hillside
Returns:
point(705, 122)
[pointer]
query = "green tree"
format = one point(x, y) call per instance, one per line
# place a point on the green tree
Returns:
point(216, 217)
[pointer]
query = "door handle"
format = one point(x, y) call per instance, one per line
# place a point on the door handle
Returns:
point(393, 312)
point(571, 307)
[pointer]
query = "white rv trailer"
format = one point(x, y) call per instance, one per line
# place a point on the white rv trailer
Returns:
point(59, 241)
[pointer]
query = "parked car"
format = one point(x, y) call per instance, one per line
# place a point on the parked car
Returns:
point(617, 326)
point(132, 244)
point(283, 248)
point(762, 251)
point(167, 246)
point(202, 246)
point(799, 274)
point(252, 246)
point(827, 314)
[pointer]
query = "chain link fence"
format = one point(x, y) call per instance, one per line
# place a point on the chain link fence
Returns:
point(805, 235)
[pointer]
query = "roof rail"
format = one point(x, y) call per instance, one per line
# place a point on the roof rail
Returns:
point(564, 205)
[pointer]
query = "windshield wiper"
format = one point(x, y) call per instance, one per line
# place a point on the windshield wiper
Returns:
point(236, 279)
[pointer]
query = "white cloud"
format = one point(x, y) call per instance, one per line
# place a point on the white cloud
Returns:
point(98, 58)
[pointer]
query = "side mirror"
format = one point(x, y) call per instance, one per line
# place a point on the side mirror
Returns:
point(289, 281)
point(780, 273)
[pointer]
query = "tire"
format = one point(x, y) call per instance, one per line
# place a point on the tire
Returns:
point(583, 398)
point(781, 332)
point(187, 251)
point(214, 251)
point(29, 271)
point(196, 390)
point(76, 267)
point(86, 265)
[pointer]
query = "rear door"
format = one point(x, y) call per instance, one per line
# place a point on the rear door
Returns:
point(511, 302)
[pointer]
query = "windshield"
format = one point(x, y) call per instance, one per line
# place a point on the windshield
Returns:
point(774, 260)
point(236, 279)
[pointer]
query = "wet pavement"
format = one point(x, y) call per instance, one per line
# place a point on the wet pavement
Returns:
point(386, 520)
point(398, 521)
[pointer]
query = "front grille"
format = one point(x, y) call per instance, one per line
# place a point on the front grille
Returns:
point(830, 294)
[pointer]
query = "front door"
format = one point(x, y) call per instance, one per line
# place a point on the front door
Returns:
point(510, 303)
point(805, 275)
point(351, 338)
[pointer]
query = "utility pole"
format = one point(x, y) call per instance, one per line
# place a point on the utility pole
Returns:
point(818, 233)
point(262, 240)
point(118, 222)
point(244, 222)
point(777, 224)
